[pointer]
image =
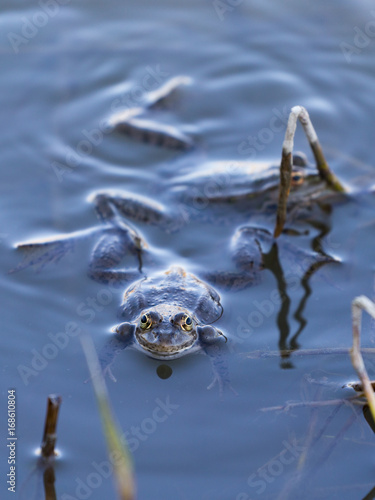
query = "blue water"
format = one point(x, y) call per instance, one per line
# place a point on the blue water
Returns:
point(61, 84)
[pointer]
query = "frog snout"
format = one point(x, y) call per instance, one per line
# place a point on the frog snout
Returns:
point(159, 331)
point(165, 330)
point(167, 334)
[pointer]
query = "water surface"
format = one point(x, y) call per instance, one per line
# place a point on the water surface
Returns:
point(248, 65)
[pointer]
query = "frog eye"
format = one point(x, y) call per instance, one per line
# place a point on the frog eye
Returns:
point(188, 324)
point(145, 323)
point(297, 179)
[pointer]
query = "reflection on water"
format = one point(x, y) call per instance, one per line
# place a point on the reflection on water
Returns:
point(40, 483)
point(247, 68)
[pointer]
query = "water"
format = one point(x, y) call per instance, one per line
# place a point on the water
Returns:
point(57, 86)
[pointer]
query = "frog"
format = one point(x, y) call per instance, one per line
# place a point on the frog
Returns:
point(164, 314)
point(213, 182)
point(216, 195)
point(169, 314)
point(119, 239)
point(152, 297)
point(207, 194)
point(247, 185)
point(204, 194)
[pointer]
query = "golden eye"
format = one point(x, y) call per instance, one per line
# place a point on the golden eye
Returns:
point(188, 324)
point(297, 179)
point(145, 322)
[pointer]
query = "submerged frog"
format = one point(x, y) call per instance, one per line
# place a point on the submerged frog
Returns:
point(165, 315)
point(119, 239)
point(248, 186)
point(187, 196)
point(168, 315)
point(207, 194)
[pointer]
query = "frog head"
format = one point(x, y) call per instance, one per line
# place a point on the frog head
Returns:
point(167, 331)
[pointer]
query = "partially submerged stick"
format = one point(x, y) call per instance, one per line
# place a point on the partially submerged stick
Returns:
point(298, 112)
point(360, 304)
point(49, 483)
point(49, 435)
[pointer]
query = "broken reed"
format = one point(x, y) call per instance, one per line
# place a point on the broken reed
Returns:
point(299, 112)
point(360, 304)
point(49, 435)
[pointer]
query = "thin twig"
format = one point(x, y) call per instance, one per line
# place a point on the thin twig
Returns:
point(49, 435)
point(302, 352)
point(299, 112)
point(300, 471)
point(306, 404)
point(362, 303)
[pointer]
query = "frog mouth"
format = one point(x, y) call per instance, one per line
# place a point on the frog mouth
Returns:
point(163, 349)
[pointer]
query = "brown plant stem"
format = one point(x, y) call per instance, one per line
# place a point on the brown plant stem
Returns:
point(49, 435)
point(360, 304)
point(299, 112)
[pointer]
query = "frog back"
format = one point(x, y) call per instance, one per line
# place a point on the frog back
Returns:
point(225, 180)
point(174, 287)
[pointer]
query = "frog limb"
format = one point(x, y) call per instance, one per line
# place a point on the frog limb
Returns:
point(136, 208)
point(109, 252)
point(159, 96)
point(147, 131)
point(120, 239)
point(120, 235)
point(248, 258)
point(209, 334)
point(154, 133)
point(39, 254)
point(218, 362)
point(299, 112)
point(123, 338)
